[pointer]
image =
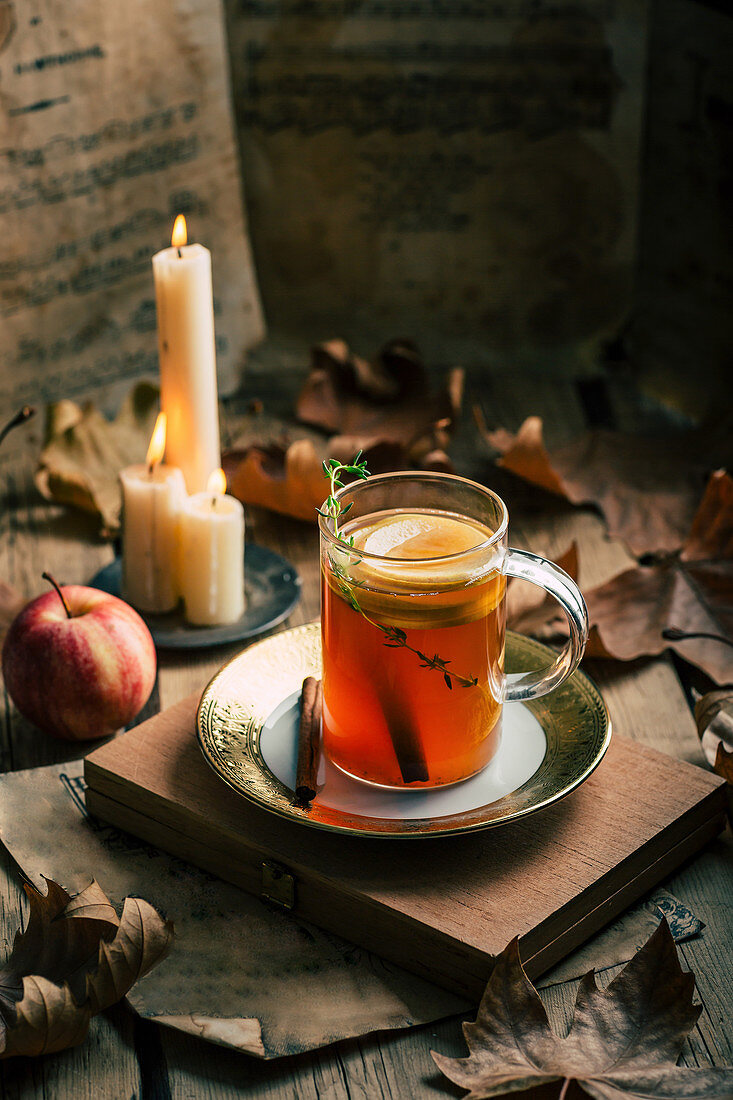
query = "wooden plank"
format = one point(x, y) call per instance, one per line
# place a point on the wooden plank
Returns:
point(383, 1067)
point(706, 885)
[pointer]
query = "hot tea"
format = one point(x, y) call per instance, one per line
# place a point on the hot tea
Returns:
point(413, 625)
point(413, 648)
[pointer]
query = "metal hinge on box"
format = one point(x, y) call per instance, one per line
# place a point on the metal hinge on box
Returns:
point(277, 884)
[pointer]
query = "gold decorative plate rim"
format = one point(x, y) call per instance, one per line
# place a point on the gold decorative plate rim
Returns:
point(244, 693)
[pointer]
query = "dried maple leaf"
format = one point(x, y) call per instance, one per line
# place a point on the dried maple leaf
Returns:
point(142, 940)
point(74, 959)
point(84, 452)
point(646, 488)
point(680, 601)
point(623, 1042)
point(683, 601)
point(284, 479)
point(386, 401)
point(288, 477)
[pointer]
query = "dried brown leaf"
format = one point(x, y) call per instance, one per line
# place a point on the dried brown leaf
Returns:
point(47, 1019)
point(623, 1042)
point(388, 400)
point(57, 940)
point(650, 608)
point(141, 941)
point(647, 488)
point(288, 476)
point(84, 452)
point(690, 593)
point(74, 958)
point(714, 718)
point(288, 480)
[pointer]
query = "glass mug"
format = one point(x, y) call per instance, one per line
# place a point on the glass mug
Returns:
point(413, 622)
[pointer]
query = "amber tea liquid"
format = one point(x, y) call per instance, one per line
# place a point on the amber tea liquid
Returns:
point(424, 622)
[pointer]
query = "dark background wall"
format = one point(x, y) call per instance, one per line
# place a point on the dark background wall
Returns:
point(681, 331)
point(523, 185)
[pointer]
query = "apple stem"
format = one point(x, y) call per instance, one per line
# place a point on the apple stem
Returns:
point(50, 579)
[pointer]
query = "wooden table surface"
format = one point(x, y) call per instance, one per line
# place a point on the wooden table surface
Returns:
point(127, 1057)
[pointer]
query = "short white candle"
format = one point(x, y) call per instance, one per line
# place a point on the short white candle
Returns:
point(212, 555)
point(187, 355)
point(152, 498)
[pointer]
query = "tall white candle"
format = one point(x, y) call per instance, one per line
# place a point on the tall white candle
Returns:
point(212, 555)
point(187, 355)
point(152, 498)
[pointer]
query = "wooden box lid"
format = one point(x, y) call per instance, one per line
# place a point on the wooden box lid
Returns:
point(442, 907)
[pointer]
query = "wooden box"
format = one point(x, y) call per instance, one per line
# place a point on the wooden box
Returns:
point(441, 907)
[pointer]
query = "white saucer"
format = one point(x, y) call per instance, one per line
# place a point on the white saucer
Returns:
point(247, 724)
point(522, 750)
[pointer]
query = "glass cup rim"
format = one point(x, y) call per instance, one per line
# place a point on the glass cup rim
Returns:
point(420, 475)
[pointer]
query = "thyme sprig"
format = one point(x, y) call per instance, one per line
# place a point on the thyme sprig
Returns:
point(395, 637)
point(332, 508)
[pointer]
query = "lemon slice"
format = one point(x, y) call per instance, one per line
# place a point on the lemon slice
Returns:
point(418, 536)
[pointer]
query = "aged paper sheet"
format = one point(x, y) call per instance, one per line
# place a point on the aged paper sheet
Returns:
point(113, 119)
point(460, 171)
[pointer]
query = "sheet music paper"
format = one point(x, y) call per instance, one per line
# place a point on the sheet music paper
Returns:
point(113, 119)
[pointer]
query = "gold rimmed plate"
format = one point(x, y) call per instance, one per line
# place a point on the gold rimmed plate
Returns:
point(247, 726)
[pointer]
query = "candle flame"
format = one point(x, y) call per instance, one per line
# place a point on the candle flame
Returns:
point(217, 482)
point(179, 236)
point(156, 450)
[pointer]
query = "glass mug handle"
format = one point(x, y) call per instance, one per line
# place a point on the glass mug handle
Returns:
point(530, 567)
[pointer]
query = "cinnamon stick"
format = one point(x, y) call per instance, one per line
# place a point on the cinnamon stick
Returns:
point(309, 739)
point(405, 737)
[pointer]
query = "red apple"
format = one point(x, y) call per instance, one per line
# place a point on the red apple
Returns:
point(79, 663)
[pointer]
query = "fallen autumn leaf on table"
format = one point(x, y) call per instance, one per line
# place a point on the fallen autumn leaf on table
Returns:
point(141, 941)
point(714, 718)
point(690, 593)
point(74, 959)
point(622, 1042)
point(84, 453)
point(270, 464)
point(646, 488)
point(661, 605)
point(289, 478)
point(386, 401)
